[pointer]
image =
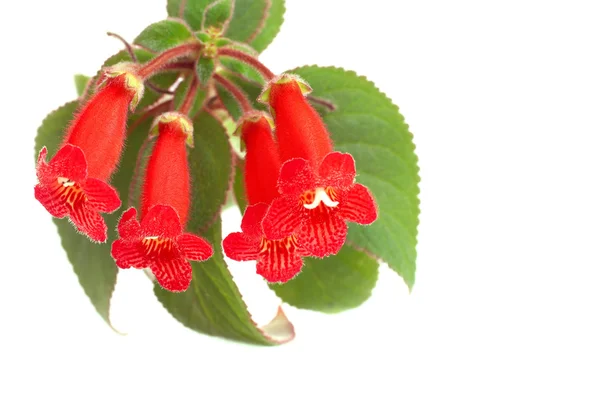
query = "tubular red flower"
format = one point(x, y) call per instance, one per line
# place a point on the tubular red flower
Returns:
point(276, 261)
point(99, 127)
point(159, 242)
point(74, 183)
point(65, 189)
point(315, 205)
point(300, 130)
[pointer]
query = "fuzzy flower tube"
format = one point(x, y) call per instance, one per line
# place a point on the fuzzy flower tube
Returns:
point(74, 183)
point(276, 260)
point(158, 241)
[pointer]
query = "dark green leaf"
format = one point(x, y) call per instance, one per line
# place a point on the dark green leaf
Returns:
point(211, 171)
point(81, 82)
point(333, 284)
point(256, 22)
point(92, 262)
point(181, 93)
point(214, 306)
point(163, 35)
point(368, 125)
point(217, 14)
point(238, 186)
point(205, 67)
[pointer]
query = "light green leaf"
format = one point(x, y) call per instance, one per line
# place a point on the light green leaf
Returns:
point(217, 14)
point(192, 11)
point(163, 35)
point(205, 67)
point(81, 82)
point(333, 284)
point(95, 268)
point(369, 126)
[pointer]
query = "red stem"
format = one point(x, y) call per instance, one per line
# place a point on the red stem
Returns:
point(164, 58)
point(248, 59)
point(190, 96)
point(235, 91)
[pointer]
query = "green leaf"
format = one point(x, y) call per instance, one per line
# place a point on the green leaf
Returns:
point(210, 162)
point(81, 82)
point(238, 186)
point(217, 14)
point(205, 67)
point(95, 268)
point(369, 126)
point(192, 11)
point(163, 35)
point(213, 304)
point(239, 67)
point(333, 284)
point(256, 22)
point(181, 92)
point(162, 80)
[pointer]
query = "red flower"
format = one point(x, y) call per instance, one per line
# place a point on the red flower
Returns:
point(65, 189)
point(99, 127)
point(160, 244)
point(159, 241)
point(276, 261)
point(314, 206)
point(299, 129)
point(74, 184)
point(317, 185)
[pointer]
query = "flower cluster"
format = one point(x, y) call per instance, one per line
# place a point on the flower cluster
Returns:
point(304, 211)
point(301, 192)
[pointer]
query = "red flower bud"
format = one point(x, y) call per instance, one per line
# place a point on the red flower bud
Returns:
point(158, 241)
point(299, 129)
point(280, 260)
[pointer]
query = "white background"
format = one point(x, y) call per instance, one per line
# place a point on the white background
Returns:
point(504, 102)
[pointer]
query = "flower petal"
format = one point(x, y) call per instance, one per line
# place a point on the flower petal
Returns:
point(193, 247)
point(337, 170)
point(101, 196)
point(284, 217)
point(161, 221)
point(240, 247)
point(358, 205)
point(129, 254)
point(296, 177)
point(129, 228)
point(279, 262)
point(50, 198)
point(69, 162)
point(89, 222)
point(173, 274)
point(251, 222)
point(323, 233)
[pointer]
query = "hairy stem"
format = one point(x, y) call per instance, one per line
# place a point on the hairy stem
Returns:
point(237, 93)
point(248, 59)
point(190, 96)
point(156, 64)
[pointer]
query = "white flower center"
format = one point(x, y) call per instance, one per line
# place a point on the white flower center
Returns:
point(321, 196)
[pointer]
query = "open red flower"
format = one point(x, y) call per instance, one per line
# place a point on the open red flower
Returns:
point(159, 243)
point(315, 205)
point(279, 260)
point(65, 189)
point(276, 261)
